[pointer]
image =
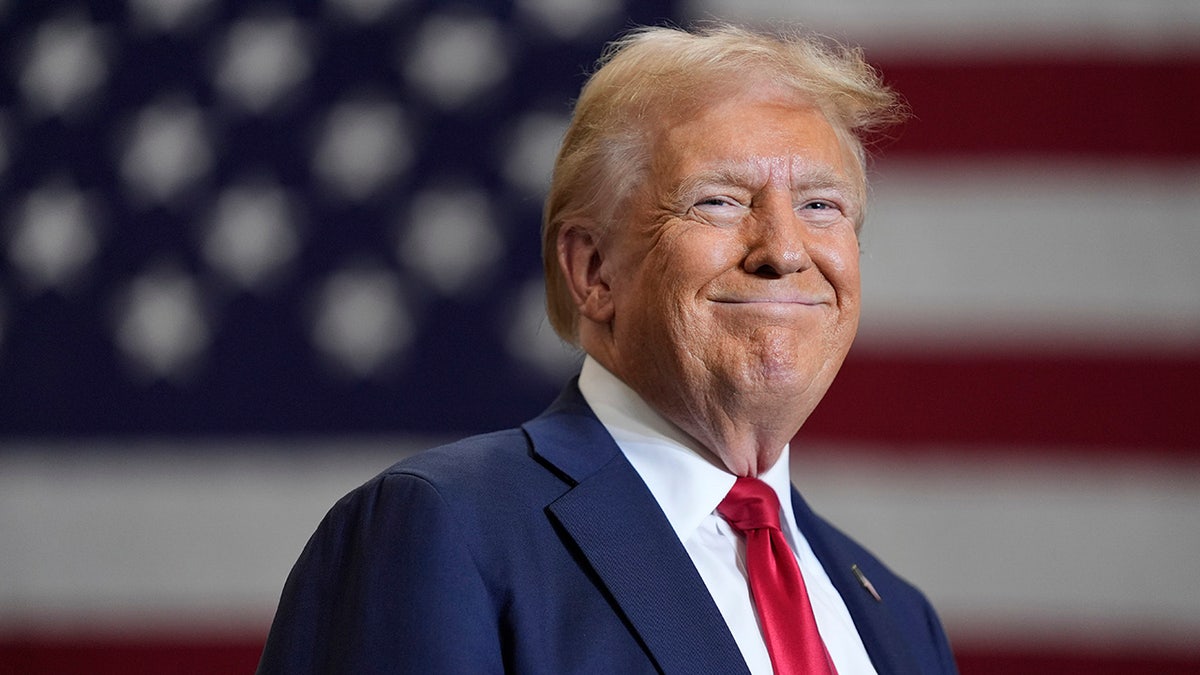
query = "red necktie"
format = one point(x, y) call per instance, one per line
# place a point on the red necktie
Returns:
point(780, 597)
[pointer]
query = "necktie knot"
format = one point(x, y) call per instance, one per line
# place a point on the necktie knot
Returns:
point(750, 505)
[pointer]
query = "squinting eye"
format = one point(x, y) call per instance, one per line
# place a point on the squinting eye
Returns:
point(720, 210)
point(718, 205)
point(819, 212)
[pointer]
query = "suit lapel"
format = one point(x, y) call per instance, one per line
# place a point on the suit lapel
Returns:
point(873, 619)
point(623, 537)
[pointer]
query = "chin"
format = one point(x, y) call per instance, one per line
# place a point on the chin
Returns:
point(783, 354)
point(775, 375)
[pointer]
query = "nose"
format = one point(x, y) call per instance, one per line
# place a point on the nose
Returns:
point(776, 241)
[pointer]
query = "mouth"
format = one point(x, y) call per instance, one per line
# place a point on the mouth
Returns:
point(798, 300)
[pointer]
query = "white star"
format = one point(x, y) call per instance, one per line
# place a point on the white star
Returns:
point(567, 19)
point(365, 11)
point(452, 239)
point(167, 152)
point(533, 145)
point(252, 236)
point(531, 339)
point(361, 322)
point(455, 59)
point(362, 146)
point(168, 15)
point(54, 237)
point(64, 66)
point(261, 60)
point(161, 325)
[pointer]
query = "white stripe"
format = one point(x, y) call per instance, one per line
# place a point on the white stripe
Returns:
point(1017, 550)
point(962, 254)
point(1014, 549)
point(981, 26)
point(165, 535)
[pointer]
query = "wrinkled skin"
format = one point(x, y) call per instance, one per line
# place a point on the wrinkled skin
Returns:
point(727, 295)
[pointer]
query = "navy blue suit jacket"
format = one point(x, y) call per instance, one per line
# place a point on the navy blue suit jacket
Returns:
point(540, 550)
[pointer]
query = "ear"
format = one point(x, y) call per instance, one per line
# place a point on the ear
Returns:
point(581, 258)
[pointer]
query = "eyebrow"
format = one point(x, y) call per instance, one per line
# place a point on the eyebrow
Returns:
point(749, 176)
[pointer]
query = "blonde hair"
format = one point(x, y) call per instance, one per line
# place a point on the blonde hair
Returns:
point(651, 73)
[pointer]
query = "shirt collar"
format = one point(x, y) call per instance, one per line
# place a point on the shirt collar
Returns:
point(686, 479)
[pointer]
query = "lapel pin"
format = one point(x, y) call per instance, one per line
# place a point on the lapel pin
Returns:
point(866, 583)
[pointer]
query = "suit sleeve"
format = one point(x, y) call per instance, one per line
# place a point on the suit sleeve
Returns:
point(941, 644)
point(387, 584)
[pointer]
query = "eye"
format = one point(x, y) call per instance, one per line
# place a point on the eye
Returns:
point(719, 210)
point(819, 212)
point(818, 205)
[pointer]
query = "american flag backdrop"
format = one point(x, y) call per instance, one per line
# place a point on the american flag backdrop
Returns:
point(251, 253)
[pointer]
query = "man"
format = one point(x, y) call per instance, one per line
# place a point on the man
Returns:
point(700, 245)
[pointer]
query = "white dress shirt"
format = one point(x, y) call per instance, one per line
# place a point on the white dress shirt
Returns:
point(689, 482)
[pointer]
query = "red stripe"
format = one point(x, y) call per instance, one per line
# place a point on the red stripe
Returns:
point(1120, 403)
point(219, 657)
point(128, 656)
point(1099, 107)
point(998, 662)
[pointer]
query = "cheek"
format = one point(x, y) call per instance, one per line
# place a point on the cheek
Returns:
point(839, 263)
point(691, 258)
point(848, 274)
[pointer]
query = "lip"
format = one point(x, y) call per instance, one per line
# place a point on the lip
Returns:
point(771, 300)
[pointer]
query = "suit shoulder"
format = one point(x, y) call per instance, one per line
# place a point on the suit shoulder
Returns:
point(882, 576)
point(491, 473)
point(465, 459)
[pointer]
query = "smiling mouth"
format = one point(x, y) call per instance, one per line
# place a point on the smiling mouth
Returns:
point(807, 302)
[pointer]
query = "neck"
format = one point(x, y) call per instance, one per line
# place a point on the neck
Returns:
point(744, 434)
point(746, 445)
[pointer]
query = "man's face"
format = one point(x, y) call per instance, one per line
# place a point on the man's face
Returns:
point(734, 275)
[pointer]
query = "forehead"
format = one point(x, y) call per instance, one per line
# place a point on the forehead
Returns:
point(754, 137)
